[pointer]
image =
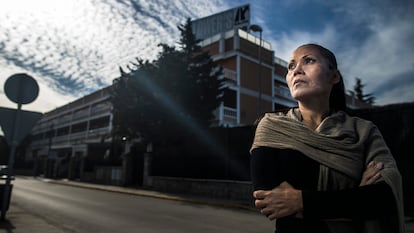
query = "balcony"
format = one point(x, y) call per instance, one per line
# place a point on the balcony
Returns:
point(97, 133)
point(229, 116)
point(254, 39)
point(101, 109)
point(81, 114)
point(230, 76)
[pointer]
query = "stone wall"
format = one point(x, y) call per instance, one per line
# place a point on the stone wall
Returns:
point(234, 191)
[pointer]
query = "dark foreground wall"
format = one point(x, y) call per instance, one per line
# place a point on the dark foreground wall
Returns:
point(220, 153)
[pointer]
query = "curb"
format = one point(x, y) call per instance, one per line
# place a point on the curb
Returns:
point(150, 194)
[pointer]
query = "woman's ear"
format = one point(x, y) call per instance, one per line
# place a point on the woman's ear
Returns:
point(336, 77)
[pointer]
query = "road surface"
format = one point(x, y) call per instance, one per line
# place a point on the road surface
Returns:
point(76, 210)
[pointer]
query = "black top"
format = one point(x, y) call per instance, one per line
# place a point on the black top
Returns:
point(270, 167)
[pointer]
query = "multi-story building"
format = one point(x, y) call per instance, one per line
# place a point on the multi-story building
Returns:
point(254, 77)
point(82, 127)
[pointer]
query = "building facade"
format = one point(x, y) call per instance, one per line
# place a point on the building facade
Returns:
point(255, 78)
point(64, 136)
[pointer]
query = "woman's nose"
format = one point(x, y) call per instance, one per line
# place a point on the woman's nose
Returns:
point(298, 69)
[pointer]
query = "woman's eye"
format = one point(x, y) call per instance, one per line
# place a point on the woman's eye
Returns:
point(291, 66)
point(309, 60)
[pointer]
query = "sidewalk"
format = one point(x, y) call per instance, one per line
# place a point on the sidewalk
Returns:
point(19, 221)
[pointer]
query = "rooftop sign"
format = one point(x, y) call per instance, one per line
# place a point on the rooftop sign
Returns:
point(238, 17)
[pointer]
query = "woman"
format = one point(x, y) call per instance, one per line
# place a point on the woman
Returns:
point(308, 163)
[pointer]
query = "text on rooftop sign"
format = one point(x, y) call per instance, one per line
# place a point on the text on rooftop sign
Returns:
point(221, 22)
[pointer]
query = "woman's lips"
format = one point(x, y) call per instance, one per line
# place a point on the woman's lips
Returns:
point(297, 81)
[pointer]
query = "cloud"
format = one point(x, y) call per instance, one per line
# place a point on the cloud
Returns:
point(75, 47)
point(372, 41)
point(289, 41)
point(384, 58)
point(400, 87)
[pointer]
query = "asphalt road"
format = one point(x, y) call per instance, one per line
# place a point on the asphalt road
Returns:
point(74, 209)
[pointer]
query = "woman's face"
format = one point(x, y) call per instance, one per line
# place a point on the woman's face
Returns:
point(309, 76)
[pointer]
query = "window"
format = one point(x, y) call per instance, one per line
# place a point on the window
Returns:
point(79, 127)
point(62, 131)
point(99, 123)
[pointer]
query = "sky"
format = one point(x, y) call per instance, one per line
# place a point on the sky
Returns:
point(75, 47)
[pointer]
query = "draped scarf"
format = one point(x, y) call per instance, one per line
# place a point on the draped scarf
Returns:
point(341, 144)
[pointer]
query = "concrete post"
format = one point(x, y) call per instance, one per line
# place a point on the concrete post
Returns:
point(147, 179)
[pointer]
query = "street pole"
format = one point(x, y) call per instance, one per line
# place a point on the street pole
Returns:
point(20, 89)
point(7, 187)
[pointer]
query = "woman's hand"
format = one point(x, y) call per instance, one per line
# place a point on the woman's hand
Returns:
point(371, 173)
point(285, 200)
point(279, 202)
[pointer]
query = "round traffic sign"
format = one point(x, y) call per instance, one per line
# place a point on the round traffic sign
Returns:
point(21, 88)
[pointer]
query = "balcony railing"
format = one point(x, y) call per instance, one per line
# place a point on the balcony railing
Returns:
point(230, 75)
point(100, 109)
point(230, 112)
point(98, 132)
point(254, 39)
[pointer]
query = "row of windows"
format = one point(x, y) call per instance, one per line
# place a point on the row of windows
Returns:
point(77, 114)
point(97, 123)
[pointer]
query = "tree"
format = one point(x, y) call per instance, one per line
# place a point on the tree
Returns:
point(162, 99)
point(208, 86)
point(131, 101)
point(358, 92)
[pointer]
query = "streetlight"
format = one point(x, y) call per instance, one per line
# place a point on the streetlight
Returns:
point(257, 28)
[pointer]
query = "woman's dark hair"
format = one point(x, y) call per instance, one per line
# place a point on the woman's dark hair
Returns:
point(337, 100)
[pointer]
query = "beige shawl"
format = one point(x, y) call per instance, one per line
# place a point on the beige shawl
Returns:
point(343, 146)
